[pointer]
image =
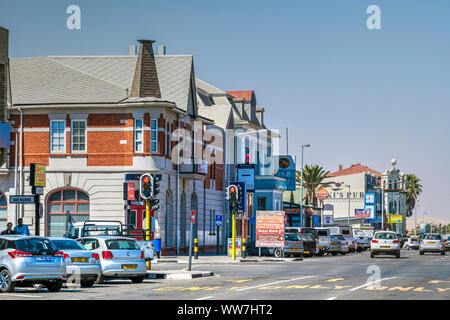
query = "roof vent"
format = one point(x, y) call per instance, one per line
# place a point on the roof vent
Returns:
point(161, 50)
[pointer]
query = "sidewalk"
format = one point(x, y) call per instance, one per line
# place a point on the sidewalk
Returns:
point(221, 259)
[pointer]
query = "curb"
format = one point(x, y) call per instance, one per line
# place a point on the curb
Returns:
point(178, 276)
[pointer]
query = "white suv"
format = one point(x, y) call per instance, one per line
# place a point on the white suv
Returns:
point(432, 242)
point(385, 242)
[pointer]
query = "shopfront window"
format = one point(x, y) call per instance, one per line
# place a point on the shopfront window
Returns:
point(66, 207)
point(3, 211)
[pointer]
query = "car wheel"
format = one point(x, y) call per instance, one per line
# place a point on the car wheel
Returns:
point(100, 279)
point(87, 283)
point(397, 255)
point(421, 253)
point(6, 284)
point(138, 279)
point(443, 253)
point(334, 253)
point(54, 286)
point(277, 252)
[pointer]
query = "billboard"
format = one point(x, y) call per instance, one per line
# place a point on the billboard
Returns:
point(5, 135)
point(286, 169)
point(270, 229)
point(395, 218)
point(362, 213)
point(37, 175)
point(370, 210)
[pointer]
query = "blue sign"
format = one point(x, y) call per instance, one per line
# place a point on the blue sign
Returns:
point(285, 168)
point(246, 174)
point(369, 198)
point(219, 220)
point(242, 205)
point(252, 219)
point(5, 135)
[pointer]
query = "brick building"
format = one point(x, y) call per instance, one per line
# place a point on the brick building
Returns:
point(95, 120)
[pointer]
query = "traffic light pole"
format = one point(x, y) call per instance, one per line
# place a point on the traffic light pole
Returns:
point(233, 231)
point(147, 226)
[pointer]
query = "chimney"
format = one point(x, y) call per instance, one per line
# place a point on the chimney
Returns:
point(145, 82)
point(340, 167)
point(161, 50)
point(133, 50)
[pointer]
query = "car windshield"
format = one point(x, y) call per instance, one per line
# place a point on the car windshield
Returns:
point(346, 232)
point(432, 237)
point(323, 233)
point(385, 236)
point(122, 244)
point(292, 237)
point(36, 246)
point(340, 237)
point(68, 245)
point(307, 236)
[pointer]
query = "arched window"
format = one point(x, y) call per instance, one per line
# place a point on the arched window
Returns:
point(3, 211)
point(65, 207)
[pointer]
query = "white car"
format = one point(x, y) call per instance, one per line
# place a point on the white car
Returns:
point(385, 242)
point(432, 242)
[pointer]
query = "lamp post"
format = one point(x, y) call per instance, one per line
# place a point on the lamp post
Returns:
point(301, 188)
point(415, 219)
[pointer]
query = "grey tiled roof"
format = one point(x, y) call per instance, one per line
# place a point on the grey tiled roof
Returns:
point(94, 79)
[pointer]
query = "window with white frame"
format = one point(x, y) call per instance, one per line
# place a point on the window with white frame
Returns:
point(57, 136)
point(154, 135)
point(138, 135)
point(78, 136)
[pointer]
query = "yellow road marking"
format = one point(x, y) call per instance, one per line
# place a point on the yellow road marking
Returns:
point(335, 279)
point(270, 287)
point(438, 281)
point(319, 286)
point(235, 288)
point(169, 288)
point(298, 287)
point(341, 287)
point(421, 289)
point(239, 281)
point(401, 288)
point(442, 289)
point(375, 288)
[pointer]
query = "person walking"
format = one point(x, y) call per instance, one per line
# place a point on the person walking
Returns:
point(21, 228)
point(9, 229)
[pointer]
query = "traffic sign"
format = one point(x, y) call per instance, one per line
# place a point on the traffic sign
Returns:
point(219, 220)
point(21, 199)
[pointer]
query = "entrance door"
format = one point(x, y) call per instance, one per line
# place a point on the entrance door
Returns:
point(136, 218)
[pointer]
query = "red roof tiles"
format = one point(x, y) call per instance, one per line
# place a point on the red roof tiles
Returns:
point(354, 169)
point(242, 94)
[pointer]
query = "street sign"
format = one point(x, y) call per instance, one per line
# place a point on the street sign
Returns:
point(270, 229)
point(252, 219)
point(219, 220)
point(193, 214)
point(321, 194)
point(369, 198)
point(21, 199)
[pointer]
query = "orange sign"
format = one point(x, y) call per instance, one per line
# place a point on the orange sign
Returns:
point(321, 194)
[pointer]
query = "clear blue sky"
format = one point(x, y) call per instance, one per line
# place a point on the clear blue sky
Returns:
point(358, 96)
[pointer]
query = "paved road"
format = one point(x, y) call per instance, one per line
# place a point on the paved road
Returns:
point(354, 276)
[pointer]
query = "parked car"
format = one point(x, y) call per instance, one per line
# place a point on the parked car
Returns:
point(293, 245)
point(432, 242)
point(120, 257)
point(363, 236)
point(335, 246)
point(411, 243)
point(343, 242)
point(324, 240)
point(29, 260)
point(385, 242)
point(309, 244)
point(347, 233)
point(447, 244)
point(79, 261)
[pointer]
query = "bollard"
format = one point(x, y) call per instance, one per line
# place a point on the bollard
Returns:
point(196, 248)
point(244, 248)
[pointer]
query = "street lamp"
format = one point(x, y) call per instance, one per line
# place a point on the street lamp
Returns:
point(301, 188)
point(339, 185)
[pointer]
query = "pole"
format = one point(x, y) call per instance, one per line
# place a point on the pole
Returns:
point(415, 221)
point(196, 249)
point(36, 215)
point(382, 207)
point(147, 226)
point(301, 194)
point(217, 238)
point(190, 248)
point(178, 187)
point(233, 234)
point(349, 194)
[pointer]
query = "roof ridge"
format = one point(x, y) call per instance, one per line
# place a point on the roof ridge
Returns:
point(86, 73)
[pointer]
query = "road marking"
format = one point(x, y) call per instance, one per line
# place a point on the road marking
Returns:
point(373, 282)
point(204, 298)
point(331, 298)
point(438, 281)
point(23, 295)
point(335, 279)
point(239, 281)
point(268, 284)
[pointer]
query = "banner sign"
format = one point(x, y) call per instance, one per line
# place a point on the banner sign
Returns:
point(37, 175)
point(362, 213)
point(5, 135)
point(395, 218)
point(129, 191)
point(371, 211)
point(270, 229)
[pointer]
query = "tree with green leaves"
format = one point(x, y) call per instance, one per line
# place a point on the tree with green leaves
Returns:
point(413, 189)
point(313, 176)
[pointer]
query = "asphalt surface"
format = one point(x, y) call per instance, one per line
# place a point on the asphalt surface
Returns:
point(353, 276)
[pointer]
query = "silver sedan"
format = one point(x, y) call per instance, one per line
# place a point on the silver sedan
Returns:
point(81, 265)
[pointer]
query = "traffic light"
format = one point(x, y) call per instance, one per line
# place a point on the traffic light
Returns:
point(155, 185)
point(154, 204)
point(145, 186)
point(239, 193)
point(232, 192)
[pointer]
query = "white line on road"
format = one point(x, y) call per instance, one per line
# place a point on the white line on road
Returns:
point(370, 283)
point(204, 298)
point(331, 298)
point(269, 284)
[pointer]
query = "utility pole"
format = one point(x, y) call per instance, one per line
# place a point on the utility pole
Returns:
point(301, 188)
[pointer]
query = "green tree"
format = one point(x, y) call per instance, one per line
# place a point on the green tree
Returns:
point(313, 176)
point(413, 189)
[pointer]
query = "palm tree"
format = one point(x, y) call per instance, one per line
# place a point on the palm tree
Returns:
point(413, 189)
point(312, 180)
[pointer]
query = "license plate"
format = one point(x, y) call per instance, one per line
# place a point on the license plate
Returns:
point(43, 258)
point(432, 242)
point(334, 243)
point(307, 252)
point(385, 247)
point(79, 259)
point(295, 249)
point(321, 247)
point(128, 266)
point(360, 244)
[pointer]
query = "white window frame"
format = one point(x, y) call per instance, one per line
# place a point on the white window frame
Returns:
point(85, 136)
point(51, 137)
point(151, 130)
point(134, 136)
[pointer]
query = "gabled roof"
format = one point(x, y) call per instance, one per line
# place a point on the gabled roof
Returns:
point(354, 169)
point(241, 94)
point(95, 79)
